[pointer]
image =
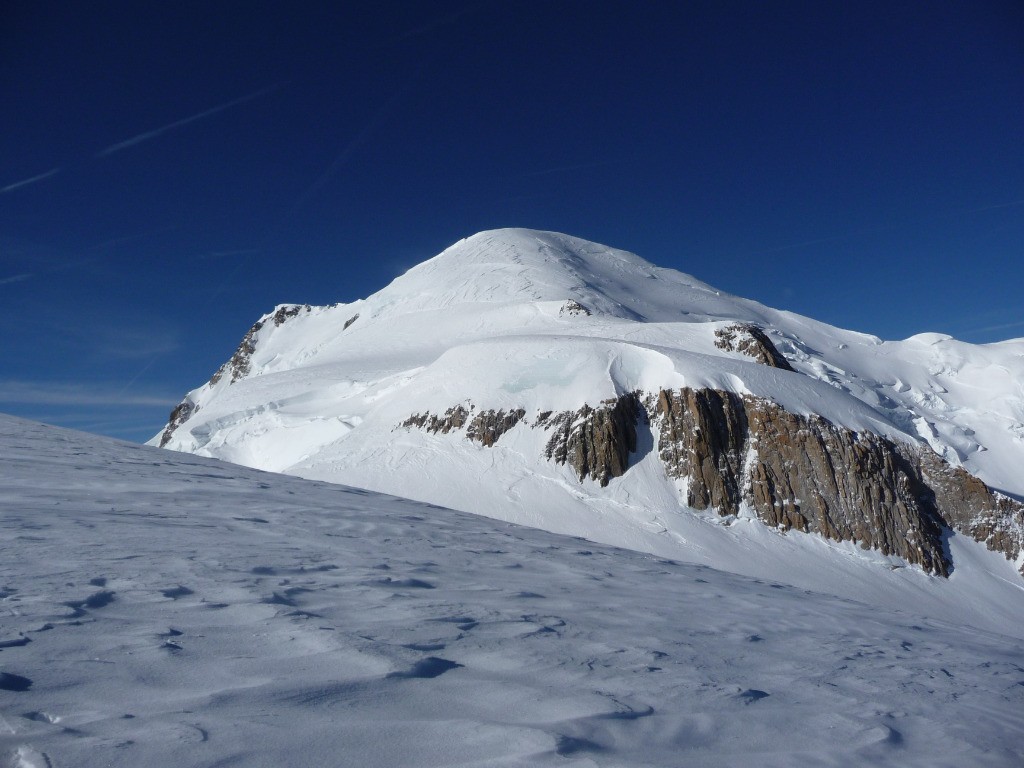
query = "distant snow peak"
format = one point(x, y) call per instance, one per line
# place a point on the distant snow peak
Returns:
point(548, 380)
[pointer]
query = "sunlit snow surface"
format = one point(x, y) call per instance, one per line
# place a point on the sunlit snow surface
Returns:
point(158, 609)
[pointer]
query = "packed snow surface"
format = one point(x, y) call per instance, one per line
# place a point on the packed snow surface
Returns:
point(162, 609)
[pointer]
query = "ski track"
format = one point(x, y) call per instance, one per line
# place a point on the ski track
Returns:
point(161, 609)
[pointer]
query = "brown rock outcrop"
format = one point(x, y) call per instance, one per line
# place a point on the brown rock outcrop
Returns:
point(969, 506)
point(240, 363)
point(702, 437)
point(749, 340)
point(595, 442)
point(806, 473)
point(573, 308)
point(454, 418)
point(488, 426)
point(181, 413)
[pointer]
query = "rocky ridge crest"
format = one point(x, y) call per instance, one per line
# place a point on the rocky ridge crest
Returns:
point(239, 365)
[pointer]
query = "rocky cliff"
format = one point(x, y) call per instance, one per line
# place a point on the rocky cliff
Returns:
point(181, 413)
point(238, 366)
point(799, 472)
point(596, 442)
point(737, 452)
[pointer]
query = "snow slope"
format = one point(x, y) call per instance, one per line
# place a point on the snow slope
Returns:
point(164, 609)
point(490, 323)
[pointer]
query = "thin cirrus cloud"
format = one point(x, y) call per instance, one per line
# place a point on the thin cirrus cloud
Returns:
point(1000, 327)
point(24, 392)
point(28, 181)
point(15, 278)
point(100, 340)
point(132, 344)
point(142, 137)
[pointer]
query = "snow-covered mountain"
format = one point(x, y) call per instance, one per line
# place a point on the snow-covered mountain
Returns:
point(546, 380)
point(159, 609)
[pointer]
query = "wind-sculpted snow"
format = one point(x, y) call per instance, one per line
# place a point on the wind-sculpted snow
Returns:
point(167, 610)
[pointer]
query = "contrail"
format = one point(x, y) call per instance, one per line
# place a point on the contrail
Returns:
point(183, 122)
point(1001, 327)
point(15, 278)
point(806, 243)
point(361, 138)
point(994, 207)
point(432, 25)
point(42, 393)
point(576, 167)
point(137, 376)
point(26, 182)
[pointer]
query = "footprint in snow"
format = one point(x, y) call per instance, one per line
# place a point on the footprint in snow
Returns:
point(169, 644)
point(406, 583)
point(425, 646)
point(286, 598)
point(751, 695)
point(95, 600)
point(570, 745)
point(175, 592)
point(41, 717)
point(464, 623)
point(426, 669)
point(14, 683)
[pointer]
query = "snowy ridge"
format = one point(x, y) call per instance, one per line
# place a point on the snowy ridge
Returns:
point(165, 609)
point(491, 324)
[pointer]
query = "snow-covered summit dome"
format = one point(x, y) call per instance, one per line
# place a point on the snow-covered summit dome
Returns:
point(521, 265)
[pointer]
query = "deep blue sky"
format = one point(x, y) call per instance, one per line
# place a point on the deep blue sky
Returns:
point(171, 171)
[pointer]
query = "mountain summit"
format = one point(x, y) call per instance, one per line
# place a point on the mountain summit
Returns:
point(547, 380)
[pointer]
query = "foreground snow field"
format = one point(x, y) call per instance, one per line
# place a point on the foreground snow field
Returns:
point(159, 609)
